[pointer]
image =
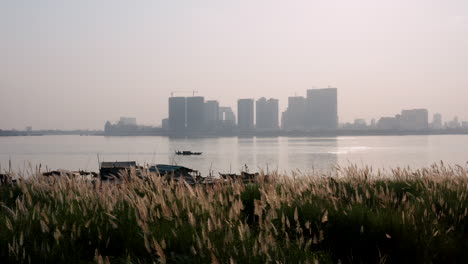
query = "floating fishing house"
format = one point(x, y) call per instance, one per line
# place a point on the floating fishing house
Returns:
point(118, 169)
point(175, 172)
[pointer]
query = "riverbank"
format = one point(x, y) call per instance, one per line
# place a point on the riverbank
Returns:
point(283, 133)
point(235, 133)
point(353, 215)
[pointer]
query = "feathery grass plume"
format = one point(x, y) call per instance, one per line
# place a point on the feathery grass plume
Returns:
point(351, 214)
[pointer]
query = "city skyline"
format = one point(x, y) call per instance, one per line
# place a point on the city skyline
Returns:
point(283, 106)
point(315, 113)
point(200, 112)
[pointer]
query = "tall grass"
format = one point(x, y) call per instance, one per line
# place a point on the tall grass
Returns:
point(350, 216)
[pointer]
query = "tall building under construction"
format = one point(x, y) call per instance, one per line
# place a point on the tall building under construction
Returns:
point(177, 114)
point(195, 113)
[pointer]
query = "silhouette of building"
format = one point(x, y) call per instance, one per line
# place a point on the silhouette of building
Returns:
point(165, 124)
point(359, 124)
point(373, 124)
point(437, 122)
point(211, 114)
point(389, 123)
point(416, 119)
point(267, 114)
point(107, 127)
point(245, 114)
point(454, 124)
point(125, 126)
point(294, 116)
point(177, 113)
point(127, 121)
point(195, 113)
point(322, 109)
point(227, 117)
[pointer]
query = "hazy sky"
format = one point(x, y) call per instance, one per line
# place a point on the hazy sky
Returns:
point(75, 64)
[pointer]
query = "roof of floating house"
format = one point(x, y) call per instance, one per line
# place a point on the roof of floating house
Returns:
point(118, 164)
point(163, 169)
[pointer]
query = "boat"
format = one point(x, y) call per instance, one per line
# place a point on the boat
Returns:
point(244, 176)
point(187, 153)
point(176, 173)
point(119, 169)
point(56, 173)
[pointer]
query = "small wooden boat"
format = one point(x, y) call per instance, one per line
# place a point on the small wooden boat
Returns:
point(176, 173)
point(56, 173)
point(244, 176)
point(187, 153)
point(119, 169)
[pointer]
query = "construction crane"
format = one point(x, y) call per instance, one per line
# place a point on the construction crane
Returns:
point(184, 91)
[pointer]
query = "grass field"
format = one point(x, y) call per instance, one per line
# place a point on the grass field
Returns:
point(350, 215)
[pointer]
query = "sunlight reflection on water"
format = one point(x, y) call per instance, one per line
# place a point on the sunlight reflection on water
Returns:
point(231, 154)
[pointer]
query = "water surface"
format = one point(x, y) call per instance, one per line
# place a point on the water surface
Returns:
point(232, 153)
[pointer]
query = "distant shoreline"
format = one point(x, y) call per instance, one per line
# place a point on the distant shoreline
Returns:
point(279, 133)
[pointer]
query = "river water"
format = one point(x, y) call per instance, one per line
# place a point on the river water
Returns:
point(231, 154)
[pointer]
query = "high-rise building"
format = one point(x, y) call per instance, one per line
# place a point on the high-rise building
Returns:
point(177, 113)
point(266, 114)
point(211, 113)
point(195, 113)
point(245, 114)
point(294, 116)
point(227, 116)
point(437, 122)
point(416, 119)
point(322, 109)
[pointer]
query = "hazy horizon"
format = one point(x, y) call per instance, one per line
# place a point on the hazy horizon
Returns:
point(70, 65)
